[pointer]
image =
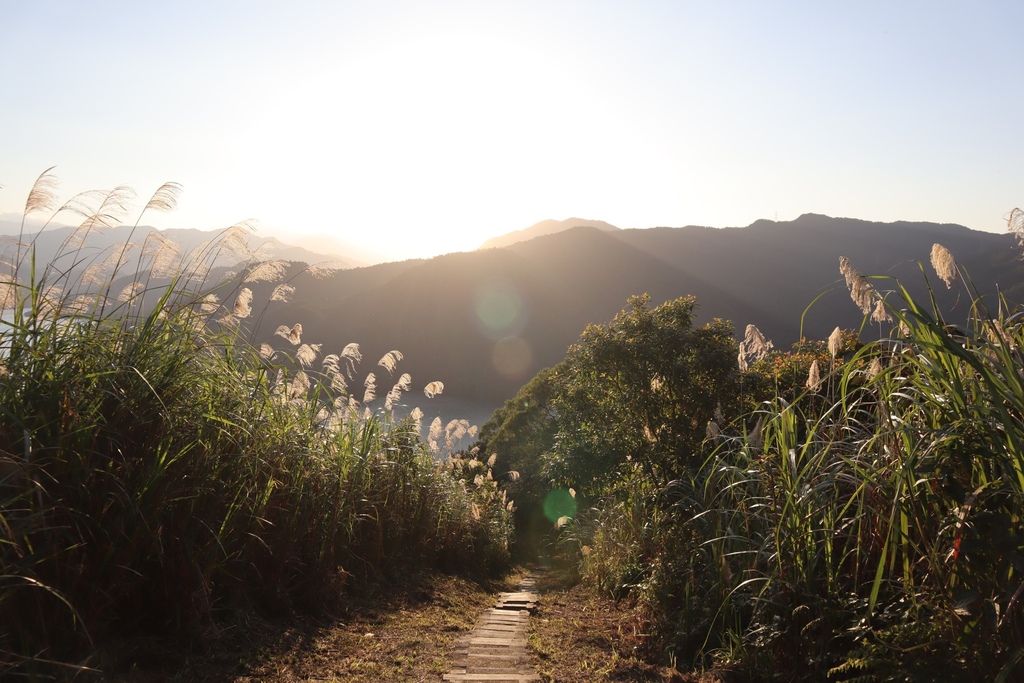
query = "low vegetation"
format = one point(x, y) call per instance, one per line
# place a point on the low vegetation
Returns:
point(159, 475)
point(846, 510)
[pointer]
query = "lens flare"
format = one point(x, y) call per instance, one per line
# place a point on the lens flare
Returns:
point(559, 503)
point(500, 310)
point(512, 357)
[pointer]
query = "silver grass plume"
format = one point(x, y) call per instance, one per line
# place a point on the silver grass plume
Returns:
point(332, 368)
point(117, 253)
point(8, 293)
point(298, 386)
point(165, 254)
point(292, 334)
point(756, 344)
point(875, 368)
point(712, 431)
point(454, 432)
point(268, 271)
point(266, 351)
point(436, 428)
point(880, 314)
point(165, 198)
point(404, 382)
point(43, 195)
point(83, 303)
point(433, 389)
point(861, 291)
point(209, 304)
point(49, 302)
point(416, 415)
point(95, 274)
point(283, 293)
point(235, 240)
point(264, 252)
point(196, 259)
point(1015, 225)
point(353, 356)
point(331, 364)
point(322, 270)
point(371, 388)
point(395, 395)
point(129, 292)
point(434, 435)
point(814, 377)
point(243, 307)
point(835, 343)
point(111, 211)
point(741, 358)
point(944, 264)
point(338, 383)
point(307, 353)
point(390, 360)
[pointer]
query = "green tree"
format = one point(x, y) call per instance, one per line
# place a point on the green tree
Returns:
point(640, 391)
point(521, 433)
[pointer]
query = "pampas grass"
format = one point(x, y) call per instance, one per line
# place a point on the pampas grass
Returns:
point(390, 361)
point(861, 291)
point(159, 474)
point(944, 264)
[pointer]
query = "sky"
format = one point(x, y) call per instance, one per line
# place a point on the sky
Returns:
point(414, 128)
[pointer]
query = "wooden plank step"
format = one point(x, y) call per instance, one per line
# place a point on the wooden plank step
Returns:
point(496, 677)
point(496, 649)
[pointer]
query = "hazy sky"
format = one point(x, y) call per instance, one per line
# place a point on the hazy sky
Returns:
point(417, 128)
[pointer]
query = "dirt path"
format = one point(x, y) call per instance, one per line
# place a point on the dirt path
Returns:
point(495, 650)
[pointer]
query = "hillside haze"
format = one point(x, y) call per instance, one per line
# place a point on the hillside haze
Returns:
point(548, 227)
point(53, 241)
point(485, 322)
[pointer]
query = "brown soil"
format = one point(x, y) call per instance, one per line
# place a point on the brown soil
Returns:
point(398, 633)
point(408, 633)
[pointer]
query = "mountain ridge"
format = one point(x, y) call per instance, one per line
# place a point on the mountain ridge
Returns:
point(445, 313)
point(545, 227)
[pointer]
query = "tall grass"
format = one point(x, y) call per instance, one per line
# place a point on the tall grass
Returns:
point(158, 473)
point(866, 528)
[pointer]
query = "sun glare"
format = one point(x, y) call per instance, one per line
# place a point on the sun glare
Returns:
point(434, 141)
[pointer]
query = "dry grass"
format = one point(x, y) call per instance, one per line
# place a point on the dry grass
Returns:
point(579, 636)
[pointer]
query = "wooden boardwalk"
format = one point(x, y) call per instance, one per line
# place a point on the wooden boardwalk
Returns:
point(495, 650)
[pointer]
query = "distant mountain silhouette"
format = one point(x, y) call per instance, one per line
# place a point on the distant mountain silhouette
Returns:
point(99, 242)
point(485, 322)
point(547, 227)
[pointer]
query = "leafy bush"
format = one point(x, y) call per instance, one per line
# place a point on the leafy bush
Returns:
point(861, 523)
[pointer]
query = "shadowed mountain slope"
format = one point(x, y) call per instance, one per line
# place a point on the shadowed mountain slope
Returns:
point(485, 322)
